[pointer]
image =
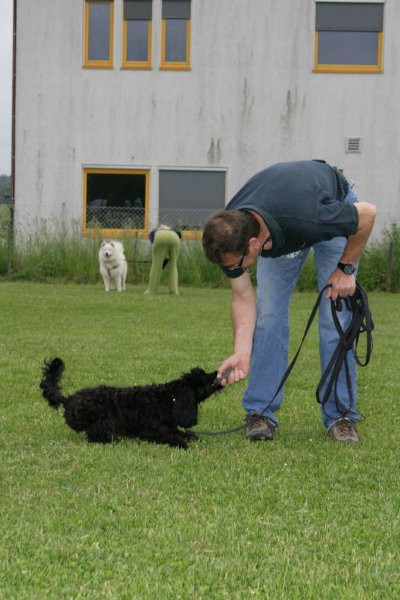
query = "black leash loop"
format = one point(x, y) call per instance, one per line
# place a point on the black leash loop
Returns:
point(361, 322)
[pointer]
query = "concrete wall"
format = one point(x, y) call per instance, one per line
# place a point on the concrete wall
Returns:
point(250, 99)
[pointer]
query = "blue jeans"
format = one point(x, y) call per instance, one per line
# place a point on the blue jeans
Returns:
point(276, 280)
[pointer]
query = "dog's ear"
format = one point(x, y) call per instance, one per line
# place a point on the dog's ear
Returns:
point(197, 372)
point(112, 244)
point(199, 381)
point(195, 376)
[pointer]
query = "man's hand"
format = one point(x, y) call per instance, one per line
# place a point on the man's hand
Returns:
point(345, 285)
point(342, 285)
point(233, 369)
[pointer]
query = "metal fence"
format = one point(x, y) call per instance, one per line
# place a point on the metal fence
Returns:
point(115, 217)
point(185, 218)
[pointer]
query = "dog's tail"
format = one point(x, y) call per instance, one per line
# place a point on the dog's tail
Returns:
point(50, 384)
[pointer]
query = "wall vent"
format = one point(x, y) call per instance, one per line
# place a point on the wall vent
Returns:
point(353, 145)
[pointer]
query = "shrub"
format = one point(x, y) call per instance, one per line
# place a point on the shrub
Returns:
point(4, 224)
point(66, 255)
point(375, 270)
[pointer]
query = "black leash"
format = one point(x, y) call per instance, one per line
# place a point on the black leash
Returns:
point(361, 322)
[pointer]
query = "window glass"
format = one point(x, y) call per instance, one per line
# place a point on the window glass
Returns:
point(115, 201)
point(99, 32)
point(348, 47)
point(188, 198)
point(137, 41)
point(175, 40)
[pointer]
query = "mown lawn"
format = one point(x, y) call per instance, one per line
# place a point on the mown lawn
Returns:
point(299, 517)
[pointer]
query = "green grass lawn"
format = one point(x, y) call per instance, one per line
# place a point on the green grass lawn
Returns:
point(300, 517)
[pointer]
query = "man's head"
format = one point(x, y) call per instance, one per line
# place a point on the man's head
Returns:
point(229, 236)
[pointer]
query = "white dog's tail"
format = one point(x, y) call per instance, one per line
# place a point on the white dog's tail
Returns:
point(52, 372)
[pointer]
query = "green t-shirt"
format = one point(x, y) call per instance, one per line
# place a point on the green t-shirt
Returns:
point(301, 203)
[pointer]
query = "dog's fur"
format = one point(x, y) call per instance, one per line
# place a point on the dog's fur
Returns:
point(113, 265)
point(152, 412)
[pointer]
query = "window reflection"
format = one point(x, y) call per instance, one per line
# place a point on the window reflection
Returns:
point(99, 32)
point(176, 40)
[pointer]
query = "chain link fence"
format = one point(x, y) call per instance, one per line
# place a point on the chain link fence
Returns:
point(188, 219)
point(116, 217)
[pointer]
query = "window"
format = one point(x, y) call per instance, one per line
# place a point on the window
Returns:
point(188, 198)
point(115, 200)
point(98, 34)
point(175, 35)
point(348, 37)
point(136, 52)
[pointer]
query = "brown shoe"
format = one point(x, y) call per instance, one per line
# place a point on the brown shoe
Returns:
point(343, 431)
point(259, 427)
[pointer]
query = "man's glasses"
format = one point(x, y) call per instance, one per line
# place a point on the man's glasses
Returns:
point(239, 264)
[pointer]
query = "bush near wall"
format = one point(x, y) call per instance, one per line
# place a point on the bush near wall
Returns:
point(5, 189)
point(67, 256)
point(380, 264)
point(4, 223)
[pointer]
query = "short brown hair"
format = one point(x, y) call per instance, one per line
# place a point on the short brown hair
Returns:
point(228, 231)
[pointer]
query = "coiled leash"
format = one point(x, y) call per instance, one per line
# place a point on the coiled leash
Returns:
point(361, 322)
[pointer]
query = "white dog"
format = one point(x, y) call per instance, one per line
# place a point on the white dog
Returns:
point(113, 265)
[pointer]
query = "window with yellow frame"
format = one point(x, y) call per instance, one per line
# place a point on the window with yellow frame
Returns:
point(348, 37)
point(115, 201)
point(137, 32)
point(175, 35)
point(98, 34)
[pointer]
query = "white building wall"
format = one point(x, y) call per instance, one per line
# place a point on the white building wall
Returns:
point(250, 99)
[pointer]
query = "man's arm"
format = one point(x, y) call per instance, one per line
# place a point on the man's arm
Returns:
point(244, 314)
point(345, 285)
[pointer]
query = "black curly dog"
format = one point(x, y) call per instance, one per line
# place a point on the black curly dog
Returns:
point(152, 412)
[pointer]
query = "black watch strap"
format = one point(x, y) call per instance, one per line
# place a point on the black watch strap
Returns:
point(347, 268)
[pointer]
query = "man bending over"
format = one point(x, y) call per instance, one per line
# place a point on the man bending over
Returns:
point(274, 220)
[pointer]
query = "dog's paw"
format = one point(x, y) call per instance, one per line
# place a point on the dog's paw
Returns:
point(179, 441)
point(181, 444)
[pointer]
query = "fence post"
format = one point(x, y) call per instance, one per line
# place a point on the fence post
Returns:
point(10, 245)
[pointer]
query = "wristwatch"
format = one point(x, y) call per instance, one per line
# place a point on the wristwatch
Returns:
point(347, 268)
